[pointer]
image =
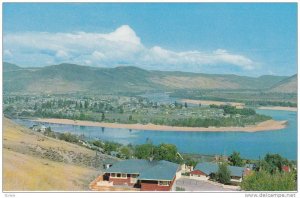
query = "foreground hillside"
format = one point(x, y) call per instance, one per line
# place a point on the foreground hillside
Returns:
point(34, 162)
point(66, 78)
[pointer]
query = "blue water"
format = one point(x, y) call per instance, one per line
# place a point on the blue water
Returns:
point(250, 145)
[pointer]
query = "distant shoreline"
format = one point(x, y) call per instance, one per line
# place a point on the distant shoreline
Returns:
point(213, 102)
point(263, 126)
point(280, 108)
point(237, 104)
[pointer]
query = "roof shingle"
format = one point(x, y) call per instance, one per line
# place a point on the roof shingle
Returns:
point(209, 167)
point(147, 170)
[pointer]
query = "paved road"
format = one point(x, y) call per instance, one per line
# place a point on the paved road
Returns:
point(196, 185)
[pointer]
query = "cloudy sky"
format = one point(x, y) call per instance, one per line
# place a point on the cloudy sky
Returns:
point(245, 39)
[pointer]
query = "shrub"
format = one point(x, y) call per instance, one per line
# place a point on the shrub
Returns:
point(265, 181)
point(223, 174)
point(68, 137)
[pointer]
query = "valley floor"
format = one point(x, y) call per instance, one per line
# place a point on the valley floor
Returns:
point(263, 126)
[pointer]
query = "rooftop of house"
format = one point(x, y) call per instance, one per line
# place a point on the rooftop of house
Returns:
point(147, 170)
point(161, 170)
point(286, 168)
point(207, 167)
point(210, 167)
point(250, 166)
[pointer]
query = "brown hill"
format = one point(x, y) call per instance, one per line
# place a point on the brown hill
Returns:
point(288, 85)
point(66, 78)
point(34, 162)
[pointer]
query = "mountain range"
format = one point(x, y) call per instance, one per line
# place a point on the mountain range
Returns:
point(70, 78)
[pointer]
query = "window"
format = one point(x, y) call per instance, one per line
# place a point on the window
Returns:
point(113, 174)
point(134, 175)
point(163, 183)
point(118, 175)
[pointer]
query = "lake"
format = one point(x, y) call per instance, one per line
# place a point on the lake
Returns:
point(250, 145)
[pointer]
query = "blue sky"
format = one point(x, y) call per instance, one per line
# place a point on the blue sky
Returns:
point(245, 39)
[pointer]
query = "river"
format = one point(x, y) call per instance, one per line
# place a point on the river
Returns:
point(250, 145)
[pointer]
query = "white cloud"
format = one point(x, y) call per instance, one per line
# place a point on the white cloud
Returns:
point(121, 47)
point(61, 54)
point(8, 54)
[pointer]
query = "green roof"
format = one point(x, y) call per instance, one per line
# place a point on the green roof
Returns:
point(129, 166)
point(236, 171)
point(147, 170)
point(162, 170)
point(209, 167)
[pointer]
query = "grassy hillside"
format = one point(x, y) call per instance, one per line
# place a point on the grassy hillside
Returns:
point(70, 78)
point(34, 162)
point(288, 85)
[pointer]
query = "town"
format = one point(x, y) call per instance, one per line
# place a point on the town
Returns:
point(129, 110)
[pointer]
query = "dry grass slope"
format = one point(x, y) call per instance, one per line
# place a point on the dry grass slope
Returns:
point(27, 173)
point(33, 162)
point(182, 82)
point(287, 86)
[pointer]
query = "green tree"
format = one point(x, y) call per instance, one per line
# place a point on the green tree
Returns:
point(48, 129)
point(235, 159)
point(68, 137)
point(265, 181)
point(223, 174)
point(35, 106)
point(48, 132)
point(175, 104)
point(86, 104)
point(275, 161)
point(125, 152)
point(110, 146)
point(102, 116)
point(190, 162)
point(98, 143)
point(185, 105)
point(130, 118)
point(166, 152)
point(82, 116)
point(144, 151)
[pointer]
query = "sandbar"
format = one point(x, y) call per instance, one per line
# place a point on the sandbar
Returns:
point(263, 126)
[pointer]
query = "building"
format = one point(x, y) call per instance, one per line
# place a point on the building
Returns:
point(144, 174)
point(206, 170)
point(39, 128)
point(286, 168)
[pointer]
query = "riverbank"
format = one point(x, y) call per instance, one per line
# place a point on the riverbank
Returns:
point(280, 108)
point(263, 126)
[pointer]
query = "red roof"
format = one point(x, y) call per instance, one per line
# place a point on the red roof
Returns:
point(286, 168)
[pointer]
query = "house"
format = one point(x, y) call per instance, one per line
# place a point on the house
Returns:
point(39, 128)
point(250, 166)
point(144, 174)
point(286, 168)
point(206, 170)
point(114, 153)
